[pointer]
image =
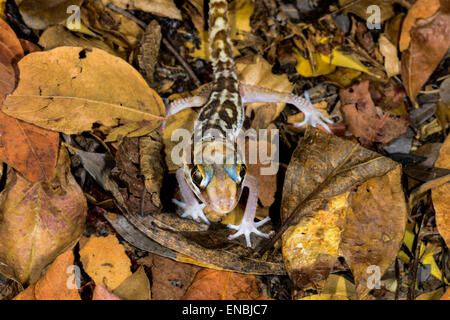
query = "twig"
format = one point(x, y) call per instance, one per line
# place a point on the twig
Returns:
point(182, 61)
point(166, 42)
point(413, 273)
point(397, 277)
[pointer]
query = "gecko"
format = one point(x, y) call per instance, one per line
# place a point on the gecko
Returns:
point(220, 176)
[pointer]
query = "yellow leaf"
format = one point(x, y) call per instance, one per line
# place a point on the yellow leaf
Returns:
point(203, 51)
point(240, 12)
point(135, 287)
point(68, 89)
point(433, 295)
point(2, 9)
point(340, 59)
point(336, 288)
point(428, 259)
point(105, 261)
point(304, 67)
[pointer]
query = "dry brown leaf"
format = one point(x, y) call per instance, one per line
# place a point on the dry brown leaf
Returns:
point(429, 44)
point(311, 243)
point(195, 10)
point(335, 288)
point(149, 50)
point(59, 36)
point(105, 261)
point(27, 148)
point(170, 279)
point(28, 46)
point(391, 60)
point(128, 172)
point(375, 227)
point(363, 119)
point(68, 89)
point(152, 164)
point(8, 37)
point(40, 220)
point(421, 9)
point(114, 27)
point(446, 295)
point(441, 195)
point(135, 287)
point(54, 284)
point(212, 284)
point(310, 248)
point(360, 8)
point(163, 8)
point(39, 14)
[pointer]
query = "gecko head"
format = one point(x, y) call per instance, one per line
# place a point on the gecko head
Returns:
point(217, 179)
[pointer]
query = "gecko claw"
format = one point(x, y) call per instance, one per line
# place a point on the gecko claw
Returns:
point(192, 210)
point(313, 116)
point(246, 228)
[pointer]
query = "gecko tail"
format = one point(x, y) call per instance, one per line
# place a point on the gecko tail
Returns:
point(221, 50)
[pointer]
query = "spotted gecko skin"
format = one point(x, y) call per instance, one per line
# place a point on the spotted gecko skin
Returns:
point(218, 173)
point(223, 110)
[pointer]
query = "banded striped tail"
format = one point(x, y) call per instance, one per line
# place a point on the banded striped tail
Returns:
point(221, 52)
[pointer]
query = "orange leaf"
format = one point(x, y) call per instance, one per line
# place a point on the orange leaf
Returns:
point(420, 9)
point(210, 284)
point(105, 260)
point(429, 44)
point(54, 284)
point(363, 119)
point(441, 194)
point(446, 295)
point(29, 149)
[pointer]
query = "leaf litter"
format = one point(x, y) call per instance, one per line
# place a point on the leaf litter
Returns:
point(340, 204)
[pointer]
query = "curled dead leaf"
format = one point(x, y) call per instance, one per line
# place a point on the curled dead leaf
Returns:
point(323, 169)
point(39, 220)
point(429, 44)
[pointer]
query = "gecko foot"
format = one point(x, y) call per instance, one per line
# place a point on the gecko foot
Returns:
point(192, 210)
point(246, 228)
point(312, 116)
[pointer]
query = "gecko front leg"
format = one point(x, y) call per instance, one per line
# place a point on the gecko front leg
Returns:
point(248, 224)
point(313, 116)
point(192, 208)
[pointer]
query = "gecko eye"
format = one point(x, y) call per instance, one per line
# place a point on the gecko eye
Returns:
point(197, 176)
point(242, 171)
point(202, 175)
